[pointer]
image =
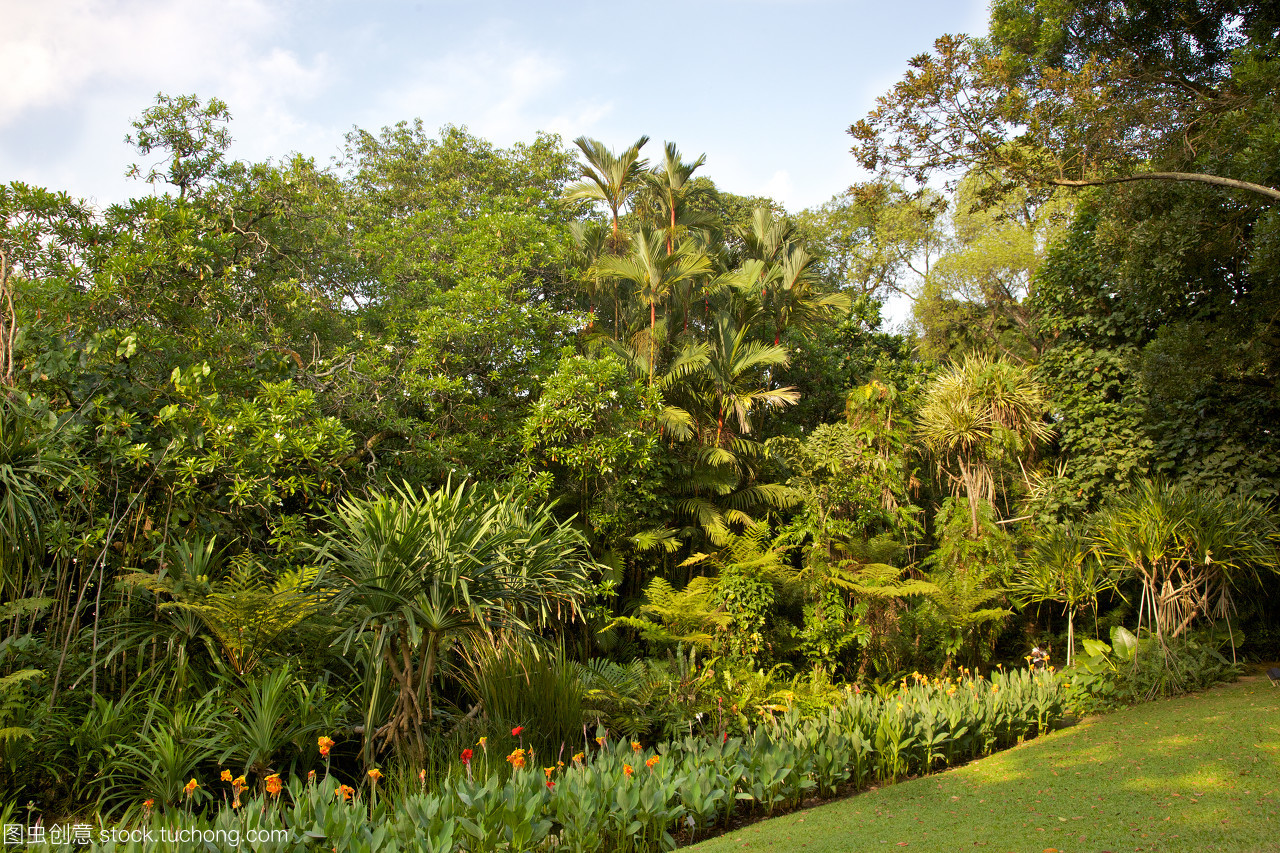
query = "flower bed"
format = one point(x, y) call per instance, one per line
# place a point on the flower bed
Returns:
point(618, 795)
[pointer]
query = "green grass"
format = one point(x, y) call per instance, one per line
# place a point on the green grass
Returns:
point(1196, 773)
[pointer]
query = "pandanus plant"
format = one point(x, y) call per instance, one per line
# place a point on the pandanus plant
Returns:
point(417, 572)
point(1188, 549)
point(976, 414)
point(1063, 568)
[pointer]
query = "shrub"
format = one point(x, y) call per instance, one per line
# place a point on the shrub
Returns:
point(1133, 669)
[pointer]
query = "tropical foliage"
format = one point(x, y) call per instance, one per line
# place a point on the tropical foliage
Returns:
point(445, 446)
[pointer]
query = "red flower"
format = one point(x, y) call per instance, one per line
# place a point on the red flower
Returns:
point(466, 756)
point(517, 731)
point(550, 784)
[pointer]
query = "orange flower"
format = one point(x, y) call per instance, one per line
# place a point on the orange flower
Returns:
point(547, 771)
point(226, 776)
point(148, 803)
point(578, 757)
point(516, 758)
point(190, 787)
point(311, 777)
point(344, 791)
point(635, 746)
point(375, 774)
point(325, 744)
point(422, 776)
point(273, 784)
point(628, 769)
point(651, 762)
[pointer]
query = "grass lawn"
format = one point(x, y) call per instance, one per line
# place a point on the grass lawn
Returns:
point(1196, 773)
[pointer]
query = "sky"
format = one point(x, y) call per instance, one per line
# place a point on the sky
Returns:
point(765, 88)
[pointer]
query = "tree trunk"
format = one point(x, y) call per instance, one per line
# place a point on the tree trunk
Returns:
point(653, 341)
point(1071, 635)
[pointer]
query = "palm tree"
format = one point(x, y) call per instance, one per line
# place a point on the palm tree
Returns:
point(733, 369)
point(608, 177)
point(673, 421)
point(789, 293)
point(976, 413)
point(591, 240)
point(654, 272)
point(767, 236)
point(783, 277)
point(668, 184)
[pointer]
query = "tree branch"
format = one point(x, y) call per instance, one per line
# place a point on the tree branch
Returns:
point(1192, 177)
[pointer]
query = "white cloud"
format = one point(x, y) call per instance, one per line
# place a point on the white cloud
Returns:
point(779, 186)
point(77, 70)
point(52, 52)
point(499, 88)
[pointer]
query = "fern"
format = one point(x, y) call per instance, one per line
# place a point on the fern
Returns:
point(679, 616)
point(13, 705)
point(246, 614)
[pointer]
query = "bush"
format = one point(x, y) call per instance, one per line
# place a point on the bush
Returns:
point(1134, 669)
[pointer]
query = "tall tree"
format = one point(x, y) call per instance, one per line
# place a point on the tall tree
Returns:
point(1089, 92)
point(608, 177)
point(654, 272)
point(669, 185)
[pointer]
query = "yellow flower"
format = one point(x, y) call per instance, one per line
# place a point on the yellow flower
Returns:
point(635, 746)
point(579, 756)
point(600, 741)
point(226, 776)
point(483, 743)
point(190, 787)
point(516, 759)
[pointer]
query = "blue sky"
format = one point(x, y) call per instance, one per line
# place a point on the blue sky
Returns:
point(766, 88)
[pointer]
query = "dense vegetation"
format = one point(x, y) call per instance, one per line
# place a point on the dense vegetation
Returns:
point(444, 441)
